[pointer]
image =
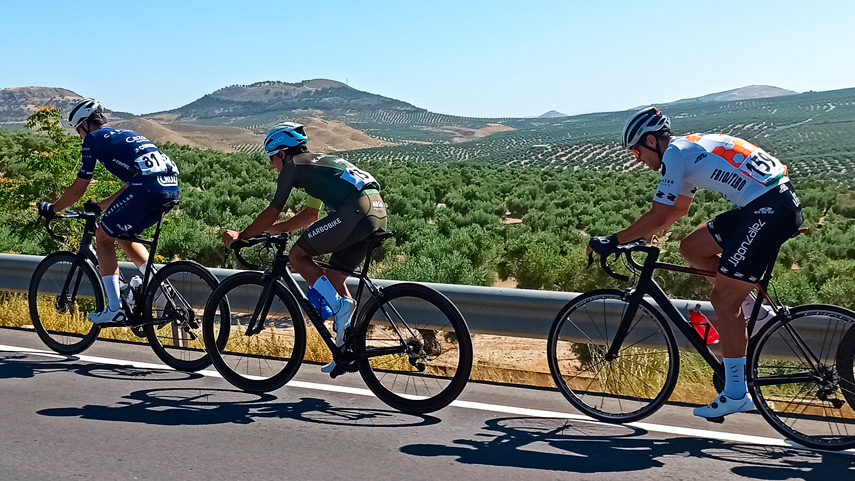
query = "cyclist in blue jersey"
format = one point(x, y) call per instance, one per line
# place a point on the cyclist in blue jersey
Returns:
point(352, 195)
point(739, 245)
point(150, 190)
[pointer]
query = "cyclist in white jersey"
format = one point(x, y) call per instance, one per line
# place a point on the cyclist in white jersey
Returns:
point(740, 245)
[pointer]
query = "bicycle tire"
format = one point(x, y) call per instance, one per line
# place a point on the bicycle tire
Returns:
point(174, 332)
point(262, 362)
point(608, 390)
point(846, 366)
point(438, 337)
point(62, 324)
point(794, 378)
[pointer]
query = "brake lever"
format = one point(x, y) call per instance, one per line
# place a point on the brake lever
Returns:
point(226, 257)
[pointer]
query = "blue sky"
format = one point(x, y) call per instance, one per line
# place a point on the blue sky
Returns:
point(473, 58)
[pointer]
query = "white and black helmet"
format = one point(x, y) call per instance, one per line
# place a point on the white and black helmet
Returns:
point(283, 137)
point(82, 110)
point(646, 121)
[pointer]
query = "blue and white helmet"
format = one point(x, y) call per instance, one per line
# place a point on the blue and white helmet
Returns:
point(646, 121)
point(284, 136)
point(82, 110)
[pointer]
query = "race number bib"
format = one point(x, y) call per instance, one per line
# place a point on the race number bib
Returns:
point(155, 163)
point(752, 161)
point(763, 168)
point(359, 178)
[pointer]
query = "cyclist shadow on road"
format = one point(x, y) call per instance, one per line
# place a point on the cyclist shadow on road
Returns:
point(203, 406)
point(25, 366)
point(587, 447)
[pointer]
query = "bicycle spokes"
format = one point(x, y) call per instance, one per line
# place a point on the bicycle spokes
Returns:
point(802, 378)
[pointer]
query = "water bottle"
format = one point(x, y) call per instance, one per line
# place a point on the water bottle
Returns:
point(702, 326)
point(320, 304)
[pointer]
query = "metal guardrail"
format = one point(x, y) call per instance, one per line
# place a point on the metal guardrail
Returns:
point(488, 310)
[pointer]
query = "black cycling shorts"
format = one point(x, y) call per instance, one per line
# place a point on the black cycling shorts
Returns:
point(345, 231)
point(752, 236)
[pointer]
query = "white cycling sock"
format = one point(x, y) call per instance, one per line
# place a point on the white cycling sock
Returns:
point(734, 381)
point(111, 287)
point(326, 289)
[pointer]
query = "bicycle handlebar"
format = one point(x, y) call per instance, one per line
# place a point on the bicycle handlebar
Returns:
point(625, 250)
point(90, 211)
point(266, 239)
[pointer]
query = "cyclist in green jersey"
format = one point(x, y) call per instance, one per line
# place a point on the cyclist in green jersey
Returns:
point(357, 211)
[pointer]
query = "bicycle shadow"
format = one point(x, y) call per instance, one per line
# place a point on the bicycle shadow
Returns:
point(195, 406)
point(19, 365)
point(584, 447)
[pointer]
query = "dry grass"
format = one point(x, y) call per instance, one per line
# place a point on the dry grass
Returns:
point(498, 359)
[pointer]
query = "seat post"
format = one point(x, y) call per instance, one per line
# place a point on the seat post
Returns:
point(149, 274)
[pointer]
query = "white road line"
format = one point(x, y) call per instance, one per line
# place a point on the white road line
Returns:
point(658, 428)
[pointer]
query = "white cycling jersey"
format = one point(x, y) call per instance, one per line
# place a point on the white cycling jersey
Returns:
point(728, 165)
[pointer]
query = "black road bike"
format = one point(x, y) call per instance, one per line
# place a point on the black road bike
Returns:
point(167, 308)
point(409, 342)
point(613, 355)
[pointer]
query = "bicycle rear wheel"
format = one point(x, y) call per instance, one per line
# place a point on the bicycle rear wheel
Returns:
point(63, 291)
point(254, 362)
point(798, 370)
point(175, 303)
point(415, 349)
point(627, 388)
point(846, 366)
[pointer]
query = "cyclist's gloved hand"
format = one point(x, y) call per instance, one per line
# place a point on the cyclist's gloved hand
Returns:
point(92, 206)
point(603, 245)
point(46, 210)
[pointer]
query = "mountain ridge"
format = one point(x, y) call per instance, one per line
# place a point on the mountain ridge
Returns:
point(235, 117)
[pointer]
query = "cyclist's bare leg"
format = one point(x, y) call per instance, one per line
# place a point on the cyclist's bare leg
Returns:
point(338, 280)
point(305, 265)
point(726, 298)
point(700, 249)
point(136, 252)
point(106, 251)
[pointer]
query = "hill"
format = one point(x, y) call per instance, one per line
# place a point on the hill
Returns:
point(815, 125)
point(260, 105)
point(744, 93)
point(812, 132)
point(552, 114)
point(16, 104)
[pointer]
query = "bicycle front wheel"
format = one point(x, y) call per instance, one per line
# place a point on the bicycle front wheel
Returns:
point(414, 348)
point(173, 306)
point(63, 291)
point(627, 387)
point(801, 376)
point(261, 359)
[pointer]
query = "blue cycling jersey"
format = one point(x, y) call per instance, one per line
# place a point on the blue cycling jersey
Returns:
point(128, 155)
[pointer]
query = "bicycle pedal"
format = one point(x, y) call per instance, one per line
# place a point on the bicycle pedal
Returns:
point(192, 335)
point(718, 420)
point(340, 369)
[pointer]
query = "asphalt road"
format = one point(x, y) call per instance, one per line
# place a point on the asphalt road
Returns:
point(114, 413)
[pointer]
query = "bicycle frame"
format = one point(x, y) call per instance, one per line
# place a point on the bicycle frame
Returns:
point(647, 286)
point(279, 271)
point(87, 253)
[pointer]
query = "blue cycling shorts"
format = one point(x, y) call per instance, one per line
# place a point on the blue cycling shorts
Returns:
point(139, 207)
